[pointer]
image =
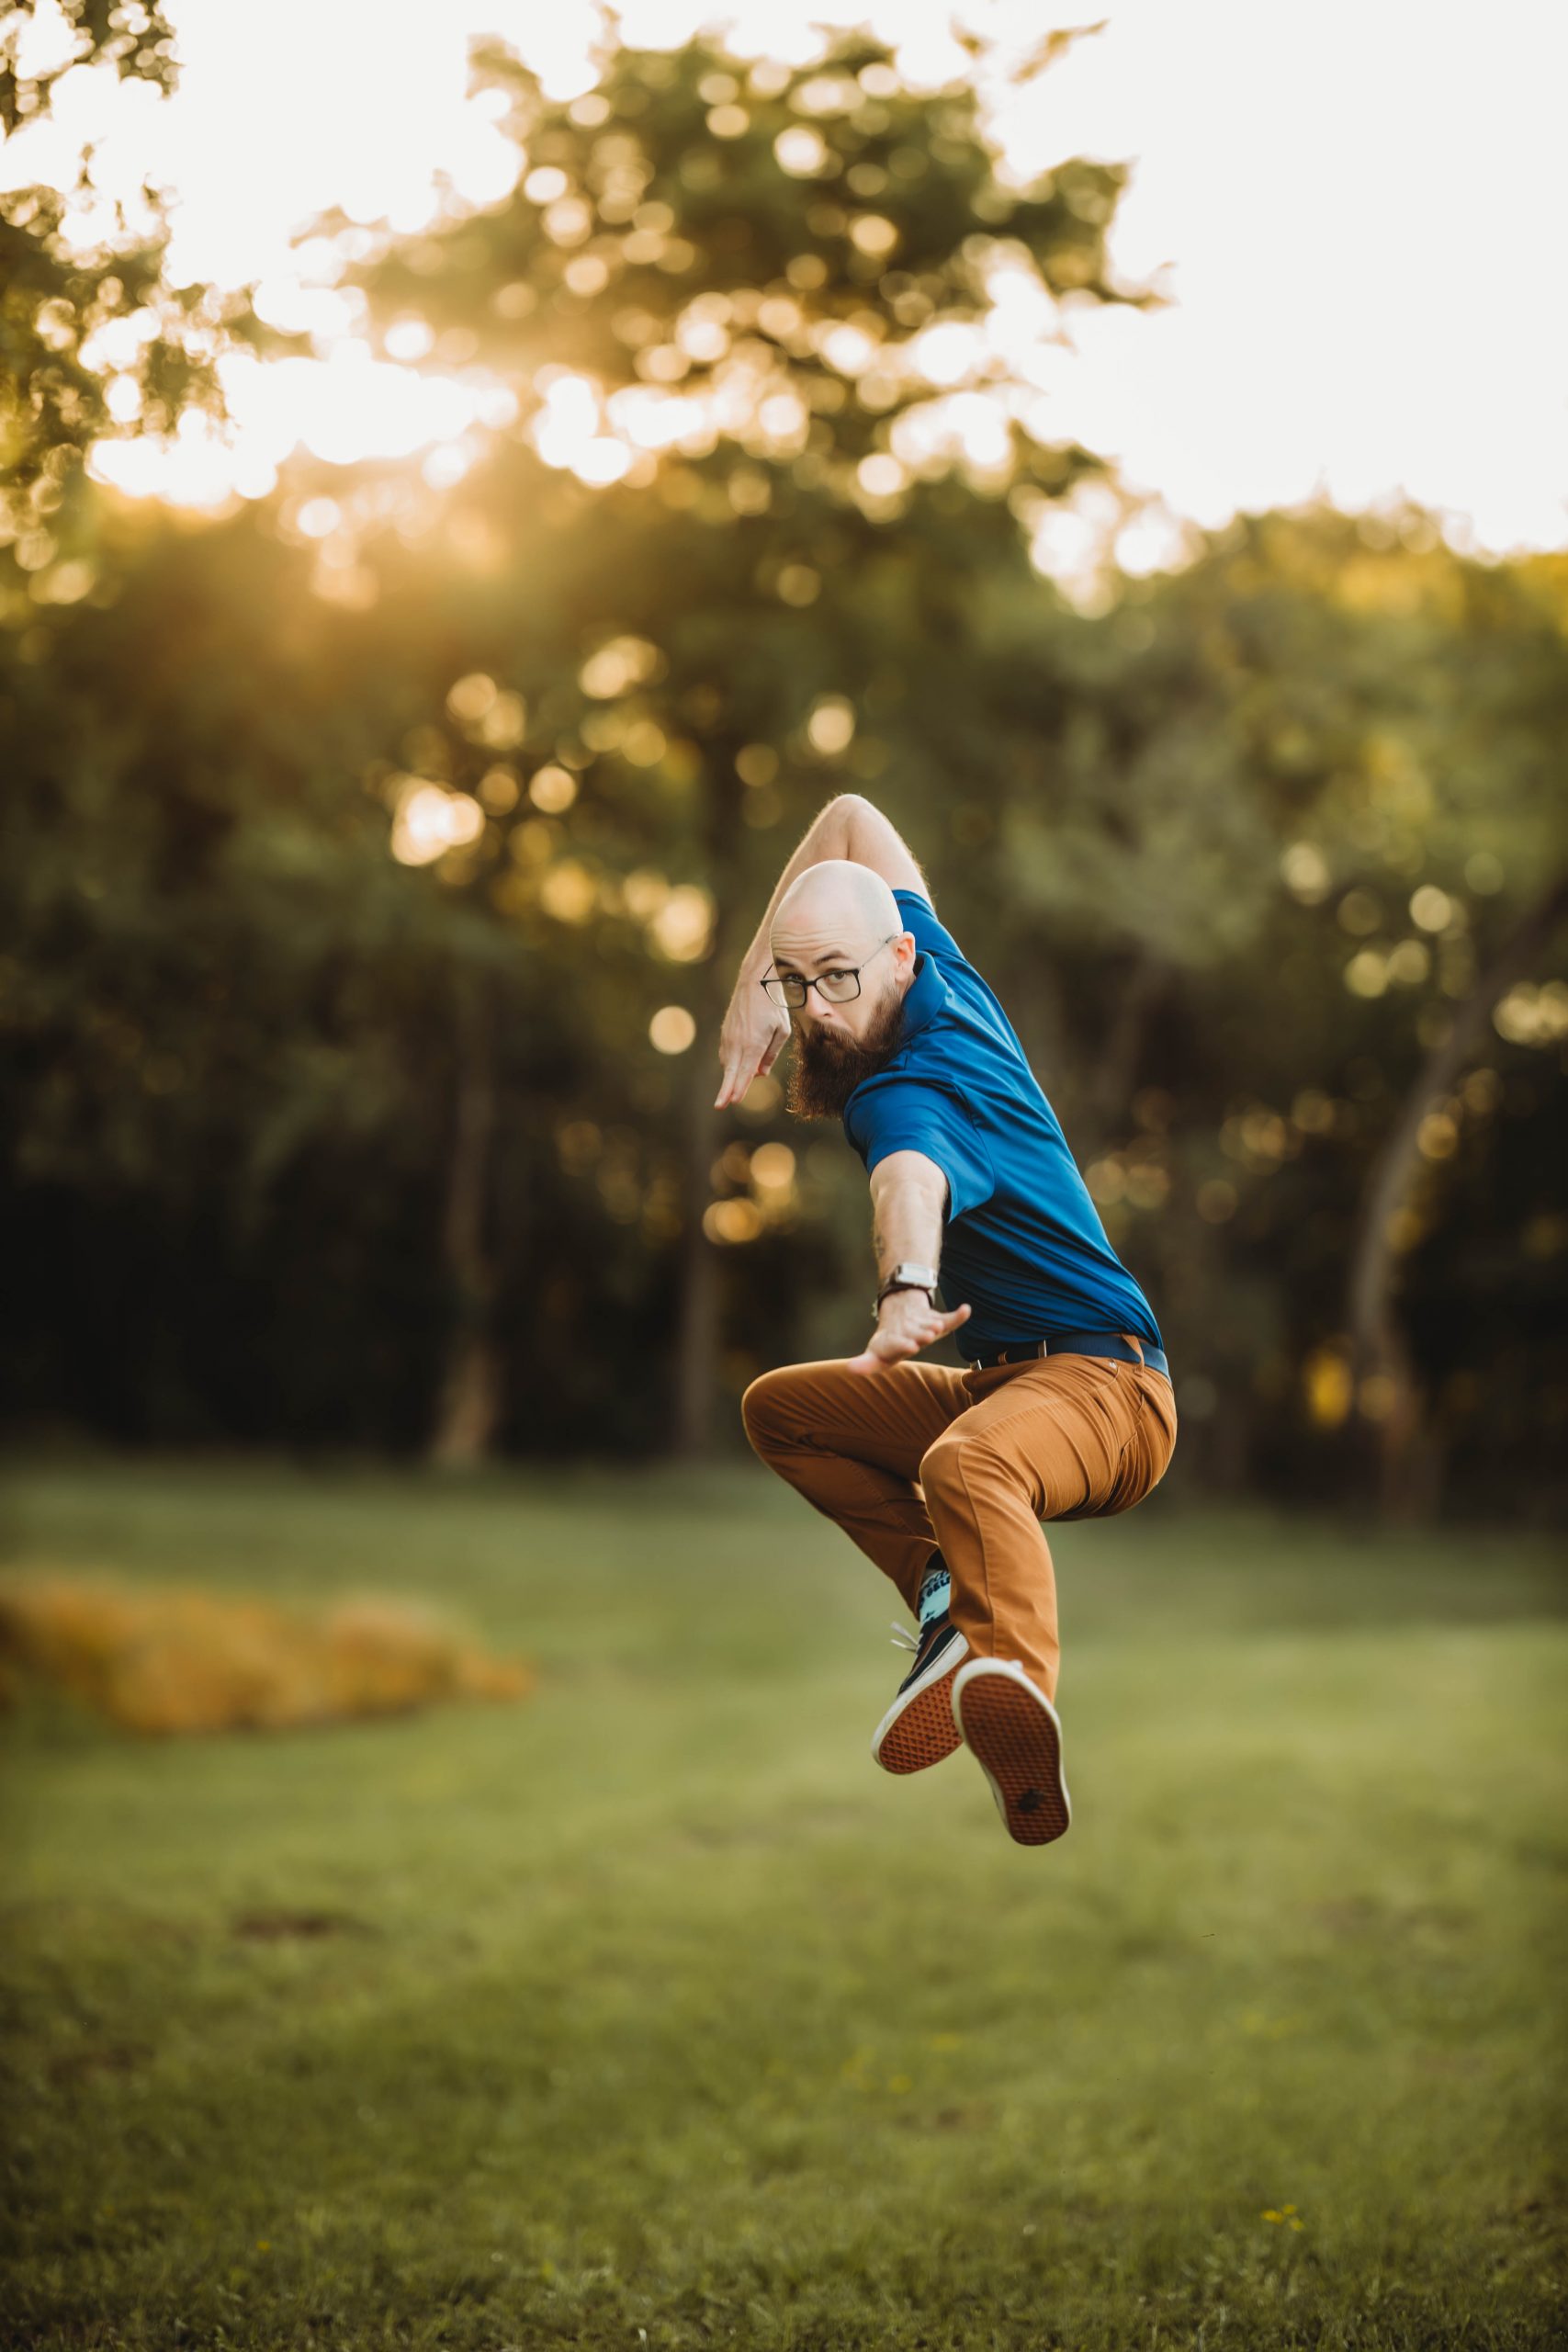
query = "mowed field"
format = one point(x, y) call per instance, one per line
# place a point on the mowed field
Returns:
point(649, 2011)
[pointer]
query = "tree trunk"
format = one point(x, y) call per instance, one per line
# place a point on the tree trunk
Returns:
point(697, 1335)
point(470, 1393)
point(1407, 1461)
point(695, 1386)
point(1027, 987)
point(1117, 1066)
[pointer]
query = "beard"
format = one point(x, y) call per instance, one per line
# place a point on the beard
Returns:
point(825, 1070)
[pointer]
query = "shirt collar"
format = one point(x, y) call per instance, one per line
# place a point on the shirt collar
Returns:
point(927, 995)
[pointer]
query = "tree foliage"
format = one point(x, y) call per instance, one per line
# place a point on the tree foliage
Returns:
point(370, 852)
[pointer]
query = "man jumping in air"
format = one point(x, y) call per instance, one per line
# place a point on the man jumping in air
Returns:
point(1065, 1408)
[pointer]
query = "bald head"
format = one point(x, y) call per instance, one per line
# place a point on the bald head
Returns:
point(836, 908)
point(838, 914)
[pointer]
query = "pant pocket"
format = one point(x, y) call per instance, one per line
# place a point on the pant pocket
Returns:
point(1148, 1452)
point(1146, 1456)
point(1116, 1403)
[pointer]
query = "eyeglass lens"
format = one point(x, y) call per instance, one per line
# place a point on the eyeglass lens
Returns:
point(837, 991)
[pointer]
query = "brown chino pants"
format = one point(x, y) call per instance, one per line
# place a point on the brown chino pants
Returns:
point(921, 1457)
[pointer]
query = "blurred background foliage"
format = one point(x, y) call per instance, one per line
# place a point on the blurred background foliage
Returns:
point(379, 853)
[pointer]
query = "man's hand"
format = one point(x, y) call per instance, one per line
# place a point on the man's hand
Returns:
point(755, 1033)
point(908, 1323)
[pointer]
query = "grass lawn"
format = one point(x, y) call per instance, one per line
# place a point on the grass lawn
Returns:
point(647, 2011)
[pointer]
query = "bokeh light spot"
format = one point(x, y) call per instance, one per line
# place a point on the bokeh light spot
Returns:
point(672, 1029)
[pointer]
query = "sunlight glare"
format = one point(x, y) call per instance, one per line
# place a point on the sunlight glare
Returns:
point(1316, 344)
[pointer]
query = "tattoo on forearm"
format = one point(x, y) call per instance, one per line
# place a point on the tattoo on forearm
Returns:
point(887, 1251)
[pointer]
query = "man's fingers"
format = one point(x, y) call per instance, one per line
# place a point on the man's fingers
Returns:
point(908, 1342)
point(735, 1083)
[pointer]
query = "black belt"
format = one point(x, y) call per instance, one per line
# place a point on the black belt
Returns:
point(1071, 1343)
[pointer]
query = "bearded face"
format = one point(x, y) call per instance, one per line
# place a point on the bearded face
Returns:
point(827, 1065)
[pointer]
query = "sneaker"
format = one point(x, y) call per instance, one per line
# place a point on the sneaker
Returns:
point(1015, 1735)
point(918, 1728)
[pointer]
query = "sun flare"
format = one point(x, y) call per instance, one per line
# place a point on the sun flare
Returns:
point(1313, 343)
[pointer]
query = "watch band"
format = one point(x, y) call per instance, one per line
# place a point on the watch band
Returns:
point(908, 1276)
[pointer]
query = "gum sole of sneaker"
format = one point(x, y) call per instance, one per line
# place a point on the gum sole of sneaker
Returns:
point(1017, 1746)
point(924, 1732)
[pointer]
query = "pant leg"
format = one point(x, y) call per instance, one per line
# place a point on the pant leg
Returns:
point(851, 1442)
point(1058, 1437)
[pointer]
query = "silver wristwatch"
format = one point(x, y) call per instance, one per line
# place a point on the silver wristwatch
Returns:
point(908, 1276)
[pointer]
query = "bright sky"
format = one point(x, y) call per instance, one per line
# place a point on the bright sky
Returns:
point(1358, 206)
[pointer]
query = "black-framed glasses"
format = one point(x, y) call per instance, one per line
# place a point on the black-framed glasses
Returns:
point(837, 988)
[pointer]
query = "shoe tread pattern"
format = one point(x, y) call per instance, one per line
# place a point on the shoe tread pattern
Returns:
point(924, 1732)
point(1017, 1741)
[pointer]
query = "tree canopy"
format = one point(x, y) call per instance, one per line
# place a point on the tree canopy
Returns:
point(378, 854)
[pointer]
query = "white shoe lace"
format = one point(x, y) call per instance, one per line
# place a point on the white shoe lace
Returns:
point(903, 1639)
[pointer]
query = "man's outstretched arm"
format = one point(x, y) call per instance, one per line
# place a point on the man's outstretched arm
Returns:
point(909, 1201)
point(909, 1195)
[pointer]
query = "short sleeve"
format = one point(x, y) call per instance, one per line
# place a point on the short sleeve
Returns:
point(896, 1113)
point(931, 936)
point(973, 991)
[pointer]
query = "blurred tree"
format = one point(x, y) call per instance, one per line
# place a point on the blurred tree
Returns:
point(318, 1142)
point(1312, 771)
point(136, 40)
point(772, 314)
point(94, 340)
point(1382, 1352)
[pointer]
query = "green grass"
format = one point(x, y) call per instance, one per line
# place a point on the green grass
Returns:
point(650, 2011)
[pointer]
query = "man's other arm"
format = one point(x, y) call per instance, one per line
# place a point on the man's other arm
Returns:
point(754, 1032)
point(873, 841)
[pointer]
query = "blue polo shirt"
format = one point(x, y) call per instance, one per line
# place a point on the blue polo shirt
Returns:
point(1023, 1245)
